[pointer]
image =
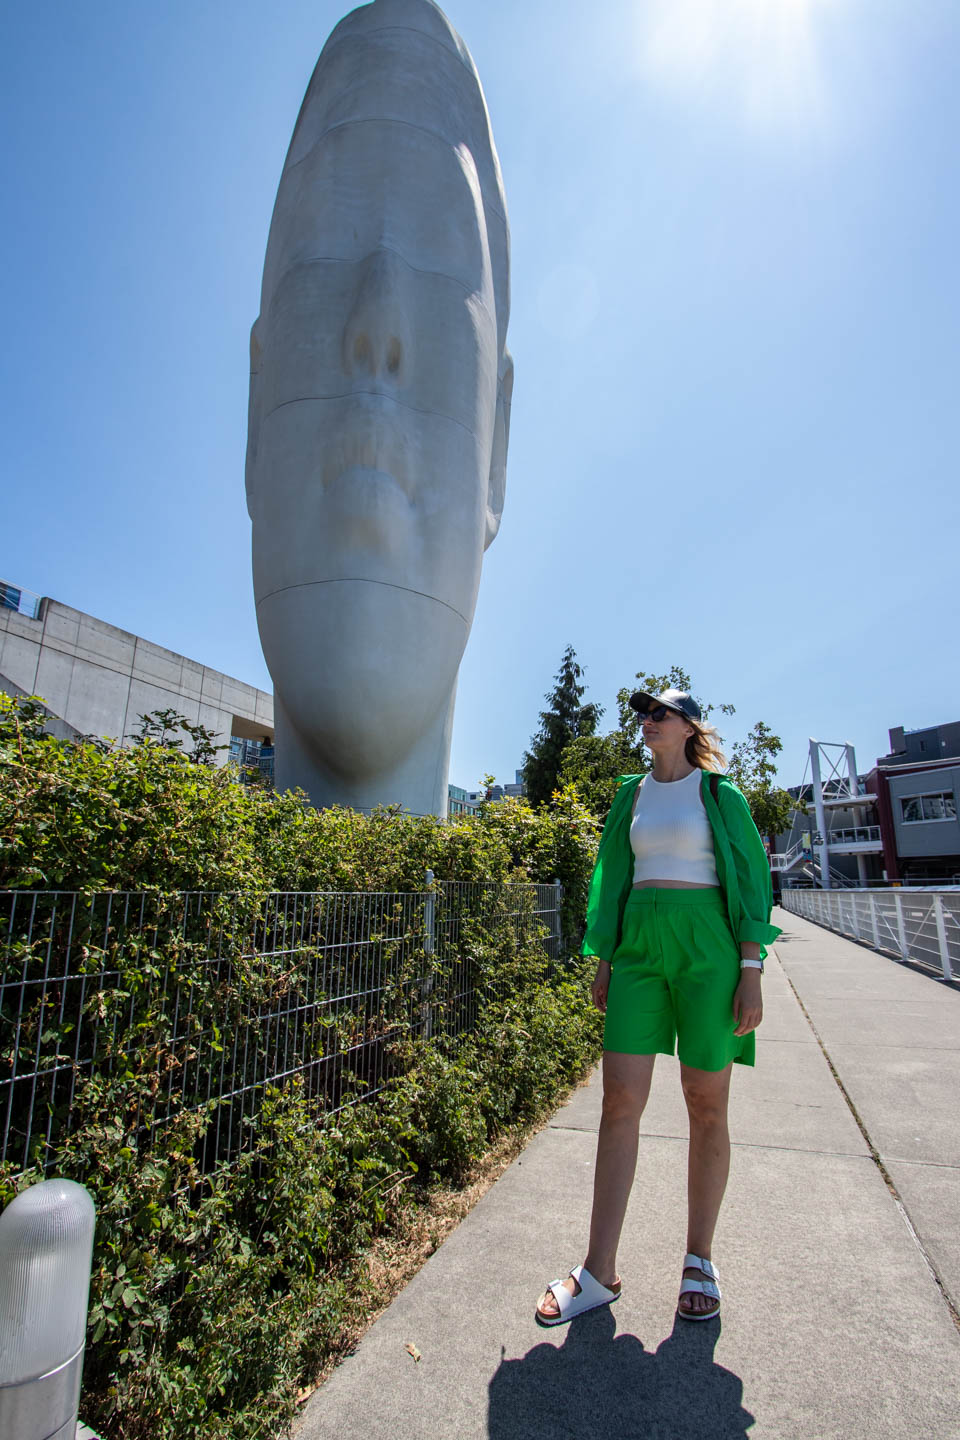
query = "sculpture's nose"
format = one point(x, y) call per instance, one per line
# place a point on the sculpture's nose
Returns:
point(376, 339)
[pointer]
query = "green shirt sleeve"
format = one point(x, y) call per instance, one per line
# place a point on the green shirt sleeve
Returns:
point(752, 866)
point(611, 880)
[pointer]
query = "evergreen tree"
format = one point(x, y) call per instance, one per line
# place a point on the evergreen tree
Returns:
point(566, 719)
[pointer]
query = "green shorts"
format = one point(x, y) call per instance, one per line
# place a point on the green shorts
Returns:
point(674, 976)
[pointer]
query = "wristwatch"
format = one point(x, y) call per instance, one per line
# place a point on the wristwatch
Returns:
point(752, 965)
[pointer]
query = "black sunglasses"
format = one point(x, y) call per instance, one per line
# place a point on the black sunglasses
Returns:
point(657, 712)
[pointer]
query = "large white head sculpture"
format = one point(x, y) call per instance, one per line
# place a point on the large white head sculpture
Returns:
point(379, 408)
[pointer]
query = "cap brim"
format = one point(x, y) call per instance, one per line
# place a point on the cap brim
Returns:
point(641, 701)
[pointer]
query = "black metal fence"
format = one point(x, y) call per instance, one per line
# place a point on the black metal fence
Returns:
point(199, 1001)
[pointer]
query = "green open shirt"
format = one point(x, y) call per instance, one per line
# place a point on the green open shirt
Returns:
point(742, 868)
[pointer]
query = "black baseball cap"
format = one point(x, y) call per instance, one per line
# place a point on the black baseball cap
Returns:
point(678, 700)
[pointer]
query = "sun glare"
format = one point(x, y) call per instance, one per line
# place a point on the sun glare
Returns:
point(760, 60)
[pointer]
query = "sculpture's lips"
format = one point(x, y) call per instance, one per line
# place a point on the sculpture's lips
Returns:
point(366, 515)
point(365, 442)
point(366, 486)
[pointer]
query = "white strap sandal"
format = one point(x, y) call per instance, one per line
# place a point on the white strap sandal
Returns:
point(708, 1287)
point(591, 1294)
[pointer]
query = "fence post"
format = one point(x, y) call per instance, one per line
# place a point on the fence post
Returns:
point(942, 938)
point(46, 1245)
point(430, 915)
point(872, 899)
point(901, 928)
point(558, 902)
point(429, 948)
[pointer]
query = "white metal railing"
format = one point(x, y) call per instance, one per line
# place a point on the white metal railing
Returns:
point(24, 602)
point(812, 873)
point(838, 881)
point(850, 835)
point(918, 925)
point(788, 859)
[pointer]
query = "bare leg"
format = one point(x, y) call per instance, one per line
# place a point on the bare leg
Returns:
point(706, 1093)
point(626, 1086)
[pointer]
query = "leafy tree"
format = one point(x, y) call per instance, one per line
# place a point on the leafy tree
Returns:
point(593, 763)
point(752, 767)
point(566, 719)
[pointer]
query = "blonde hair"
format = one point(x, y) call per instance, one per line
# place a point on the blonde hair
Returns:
point(703, 747)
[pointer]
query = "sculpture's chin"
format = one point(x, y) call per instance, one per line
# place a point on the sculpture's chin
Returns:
point(362, 668)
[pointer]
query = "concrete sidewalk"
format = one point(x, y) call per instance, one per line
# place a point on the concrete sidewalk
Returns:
point(834, 1323)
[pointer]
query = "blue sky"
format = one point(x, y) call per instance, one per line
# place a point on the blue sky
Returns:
point(735, 327)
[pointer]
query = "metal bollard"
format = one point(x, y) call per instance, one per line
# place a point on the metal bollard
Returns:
point(46, 1246)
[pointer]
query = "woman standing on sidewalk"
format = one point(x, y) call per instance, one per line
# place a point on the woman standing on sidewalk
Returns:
point(678, 917)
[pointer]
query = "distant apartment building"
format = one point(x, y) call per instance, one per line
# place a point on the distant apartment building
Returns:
point(254, 759)
point(98, 680)
point(459, 802)
point(516, 787)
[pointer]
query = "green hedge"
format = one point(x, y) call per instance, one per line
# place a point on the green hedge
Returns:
point(79, 816)
point(215, 1297)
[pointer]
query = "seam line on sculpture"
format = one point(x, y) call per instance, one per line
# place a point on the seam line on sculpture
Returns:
point(348, 579)
point(348, 394)
point(417, 270)
point(409, 125)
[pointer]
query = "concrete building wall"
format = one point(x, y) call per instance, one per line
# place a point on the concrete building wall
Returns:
point(54, 726)
point(99, 680)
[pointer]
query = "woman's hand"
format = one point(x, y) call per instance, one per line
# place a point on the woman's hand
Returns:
point(600, 985)
point(747, 1002)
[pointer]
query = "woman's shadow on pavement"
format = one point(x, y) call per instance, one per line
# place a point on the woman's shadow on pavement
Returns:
point(600, 1384)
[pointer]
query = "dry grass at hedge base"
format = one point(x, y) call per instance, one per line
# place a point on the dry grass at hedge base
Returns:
point(420, 1228)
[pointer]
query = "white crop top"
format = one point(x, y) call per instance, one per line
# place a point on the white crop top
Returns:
point(670, 834)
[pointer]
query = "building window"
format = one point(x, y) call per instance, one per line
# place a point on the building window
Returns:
point(938, 806)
